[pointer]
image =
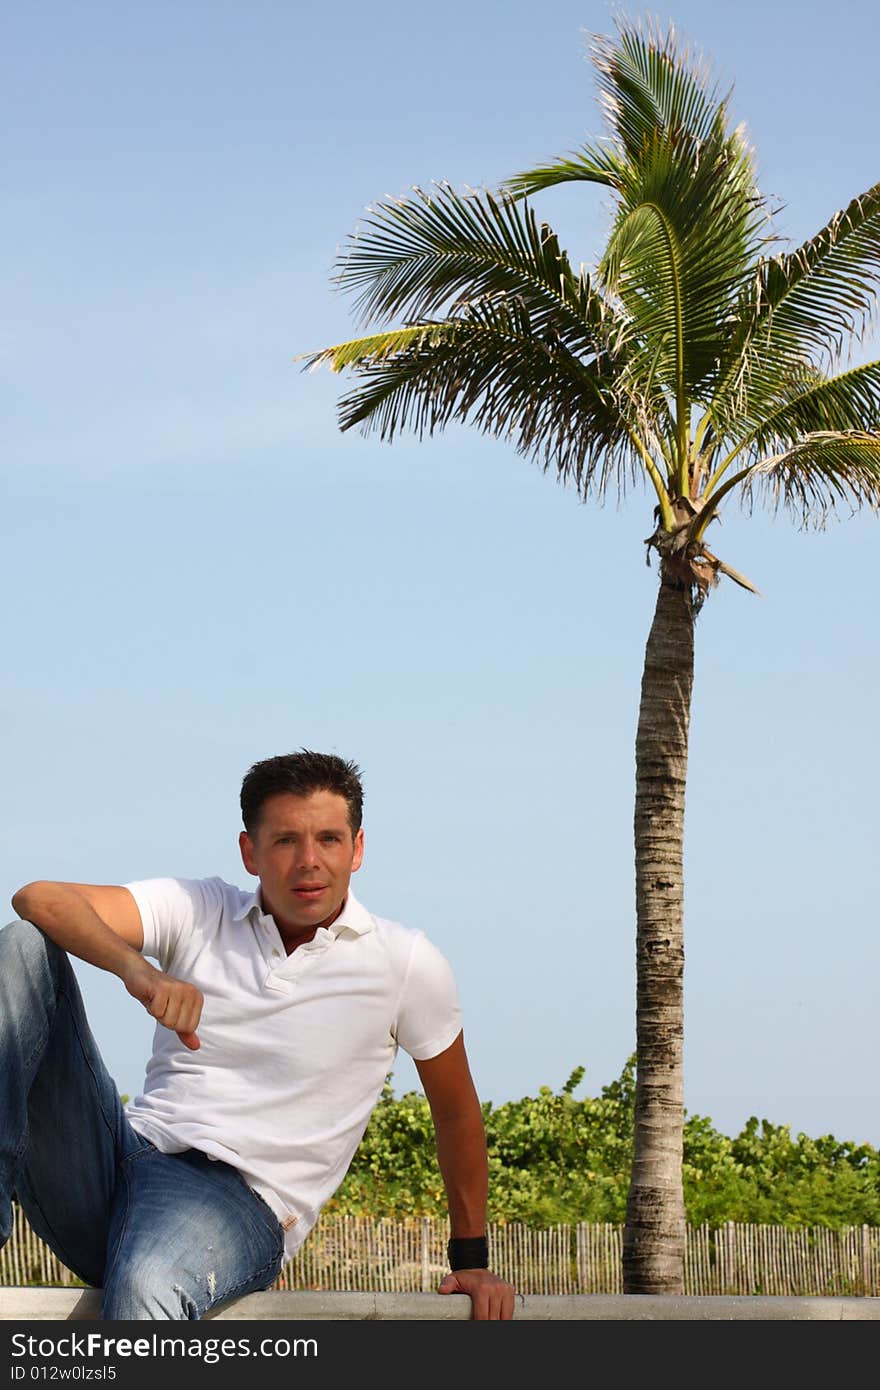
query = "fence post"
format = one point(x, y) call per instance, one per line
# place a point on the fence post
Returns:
point(426, 1263)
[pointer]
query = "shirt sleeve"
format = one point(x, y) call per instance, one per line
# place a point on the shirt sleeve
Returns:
point(169, 908)
point(428, 1016)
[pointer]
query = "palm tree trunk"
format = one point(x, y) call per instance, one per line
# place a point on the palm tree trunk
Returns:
point(654, 1234)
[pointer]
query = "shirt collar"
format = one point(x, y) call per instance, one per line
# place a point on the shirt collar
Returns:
point(354, 917)
point(248, 902)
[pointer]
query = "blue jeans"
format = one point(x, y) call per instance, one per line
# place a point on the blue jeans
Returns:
point(164, 1235)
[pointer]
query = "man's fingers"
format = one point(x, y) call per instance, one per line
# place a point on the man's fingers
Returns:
point(489, 1308)
point(492, 1299)
point(503, 1307)
point(181, 1015)
point(177, 1006)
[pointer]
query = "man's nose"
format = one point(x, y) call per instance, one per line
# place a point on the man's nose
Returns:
point(308, 851)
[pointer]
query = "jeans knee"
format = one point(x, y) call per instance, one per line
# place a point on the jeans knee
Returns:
point(23, 942)
point(147, 1293)
point(33, 974)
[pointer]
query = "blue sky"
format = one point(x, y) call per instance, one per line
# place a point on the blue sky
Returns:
point(201, 570)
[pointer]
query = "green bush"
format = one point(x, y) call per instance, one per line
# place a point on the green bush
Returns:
point(555, 1159)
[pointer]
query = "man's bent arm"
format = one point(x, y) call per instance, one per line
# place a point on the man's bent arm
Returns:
point(461, 1154)
point(101, 924)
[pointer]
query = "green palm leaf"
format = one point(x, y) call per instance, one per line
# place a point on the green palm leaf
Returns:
point(647, 86)
point(799, 309)
point(589, 165)
point(418, 257)
point(677, 256)
point(373, 348)
point(850, 401)
point(488, 367)
point(688, 225)
point(817, 475)
point(819, 296)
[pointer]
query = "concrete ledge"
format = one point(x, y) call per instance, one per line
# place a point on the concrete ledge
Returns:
point(83, 1305)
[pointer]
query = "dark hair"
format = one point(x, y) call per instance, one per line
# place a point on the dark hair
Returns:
point(301, 774)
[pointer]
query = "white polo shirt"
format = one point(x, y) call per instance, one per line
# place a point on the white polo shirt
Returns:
point(294, 1049)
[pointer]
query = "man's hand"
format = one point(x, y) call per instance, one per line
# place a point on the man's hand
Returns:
point(492, 1298)
point(101, 924)
point(173, 1003)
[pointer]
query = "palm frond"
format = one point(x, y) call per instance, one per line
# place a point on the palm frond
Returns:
point(421, 256)
point(487, 367)
point(678, 255)
point(373, 348)
point(801, 308)
point(820, 473)
point(817, 297)
point(591, 164)
point(849, 401)
point(649, 86)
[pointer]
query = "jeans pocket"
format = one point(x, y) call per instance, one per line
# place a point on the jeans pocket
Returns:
point(144, 1150)
point(265, 1212)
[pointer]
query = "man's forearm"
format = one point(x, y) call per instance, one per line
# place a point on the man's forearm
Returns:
point(67, 915)
point(63, 911)
point(461, 1151)
point(74, 925)
point(461, 1154)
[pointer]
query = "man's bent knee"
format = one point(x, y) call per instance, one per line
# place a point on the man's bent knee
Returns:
point(147, 1294)
point(23, 941)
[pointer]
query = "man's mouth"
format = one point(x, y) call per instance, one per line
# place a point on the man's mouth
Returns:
point(308, 890)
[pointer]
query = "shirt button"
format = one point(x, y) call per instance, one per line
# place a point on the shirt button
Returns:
point(276, 952)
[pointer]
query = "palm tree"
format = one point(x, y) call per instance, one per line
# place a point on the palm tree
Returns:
point(699, 358)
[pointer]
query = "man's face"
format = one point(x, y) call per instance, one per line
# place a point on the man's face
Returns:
point(304, 854)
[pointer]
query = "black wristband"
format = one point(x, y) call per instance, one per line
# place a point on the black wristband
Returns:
point(468, 1252)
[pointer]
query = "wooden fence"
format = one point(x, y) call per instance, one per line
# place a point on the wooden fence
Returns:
point(347, 1252)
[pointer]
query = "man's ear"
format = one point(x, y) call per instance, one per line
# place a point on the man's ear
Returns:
point(246, 845)
point(358, 850)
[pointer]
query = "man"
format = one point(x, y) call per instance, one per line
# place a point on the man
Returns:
point(279, 1014)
